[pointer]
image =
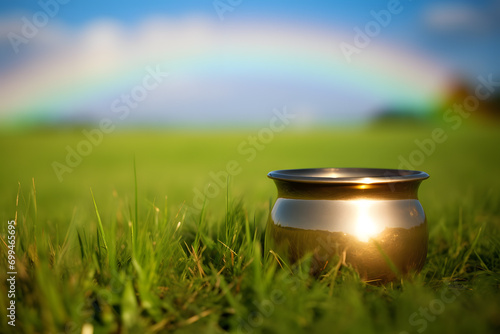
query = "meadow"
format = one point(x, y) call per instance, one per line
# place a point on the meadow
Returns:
point(120, 246)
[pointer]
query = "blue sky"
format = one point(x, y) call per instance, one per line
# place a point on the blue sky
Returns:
point(80, 12)
point(443, 39)
point(345, 12)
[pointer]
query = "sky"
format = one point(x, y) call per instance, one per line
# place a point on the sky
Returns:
point(234, 61)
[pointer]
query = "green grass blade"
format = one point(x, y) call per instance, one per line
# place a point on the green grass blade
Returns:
point(136, 222)
point(80, 242)
point(99, 222)
point(470, 250)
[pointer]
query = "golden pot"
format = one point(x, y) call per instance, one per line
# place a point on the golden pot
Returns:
point(369, 218)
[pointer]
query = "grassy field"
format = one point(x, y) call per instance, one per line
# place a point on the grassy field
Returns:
point(142, 259)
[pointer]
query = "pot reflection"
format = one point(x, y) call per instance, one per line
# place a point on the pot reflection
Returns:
point(374, 226)
point(366, 224)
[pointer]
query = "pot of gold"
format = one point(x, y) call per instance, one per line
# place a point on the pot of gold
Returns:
point(368, 218)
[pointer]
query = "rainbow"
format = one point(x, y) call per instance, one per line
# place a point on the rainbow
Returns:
point(47, 88)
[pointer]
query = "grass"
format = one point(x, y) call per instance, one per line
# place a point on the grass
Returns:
point(129, 256)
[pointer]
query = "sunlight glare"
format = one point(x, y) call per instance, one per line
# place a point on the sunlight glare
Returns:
point(366, 227)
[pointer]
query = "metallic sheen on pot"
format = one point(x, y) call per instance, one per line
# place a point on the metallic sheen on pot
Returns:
point(372, 218)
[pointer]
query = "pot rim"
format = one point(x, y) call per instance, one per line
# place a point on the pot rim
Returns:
point(347, 175)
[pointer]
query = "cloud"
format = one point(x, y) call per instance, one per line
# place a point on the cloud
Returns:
point(462, 17)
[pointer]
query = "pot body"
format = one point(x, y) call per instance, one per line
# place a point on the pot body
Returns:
point(369, 218)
